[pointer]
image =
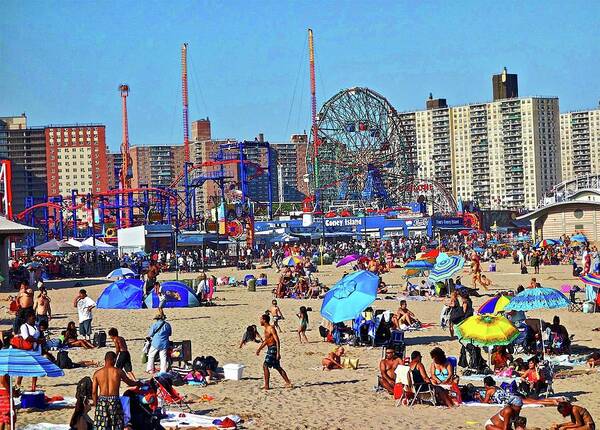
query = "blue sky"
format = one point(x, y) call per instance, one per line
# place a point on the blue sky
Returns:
point(62, 61)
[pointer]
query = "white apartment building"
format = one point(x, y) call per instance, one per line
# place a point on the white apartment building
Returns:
point(503, 154)
point(580, 143)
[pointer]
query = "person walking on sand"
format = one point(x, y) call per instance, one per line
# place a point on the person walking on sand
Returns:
point(123, 357)
point(273, 357)
point(106, 385)
point(303, 317)
point(276, 314)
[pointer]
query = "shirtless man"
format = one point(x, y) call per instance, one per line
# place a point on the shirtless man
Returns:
point(123, 357)
point(25, 301)
point(504, 419)
point(580, 418)
point(273, 357)
point(387, 368)
point(105, 394)
point(43, 312)
point(404, 315)
point(153, 272)
point(277, 315)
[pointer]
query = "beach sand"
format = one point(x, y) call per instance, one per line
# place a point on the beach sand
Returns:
point(342, 399)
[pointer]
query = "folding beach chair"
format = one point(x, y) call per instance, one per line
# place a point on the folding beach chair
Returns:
point(170, 396)
point(575, 305)
point(424, 393)
point(547, 372)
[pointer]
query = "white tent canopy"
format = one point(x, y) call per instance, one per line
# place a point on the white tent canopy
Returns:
point(97, 245)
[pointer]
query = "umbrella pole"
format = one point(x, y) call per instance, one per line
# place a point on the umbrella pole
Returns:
point(542, 339)
point(10, 399)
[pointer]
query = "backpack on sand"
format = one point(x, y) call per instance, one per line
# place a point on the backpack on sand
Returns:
point(99, 339)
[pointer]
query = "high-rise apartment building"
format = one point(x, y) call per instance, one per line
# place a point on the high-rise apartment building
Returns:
point(76, 157)
point(503, 154)
point(26, 149)
point(156, 165)
point(580, 143)
point(114, 164)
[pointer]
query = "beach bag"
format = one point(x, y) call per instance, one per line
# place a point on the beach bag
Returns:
point(523, 270)
point(19, 343)
point(84, 388)
point(63, 361)
point(99, 339)
point(462, 359)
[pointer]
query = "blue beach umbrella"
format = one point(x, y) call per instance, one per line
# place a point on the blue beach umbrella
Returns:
point(479, 250)
point(419, 265)
point(579, 238)
point(350, 296)
point(121, 272)
point(538, 298)
point(29, 364)
point(445, 267)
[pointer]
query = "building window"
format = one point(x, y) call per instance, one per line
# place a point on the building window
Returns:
point(578, 214)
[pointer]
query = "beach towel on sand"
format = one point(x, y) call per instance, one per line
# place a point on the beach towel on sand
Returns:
point(174, 419)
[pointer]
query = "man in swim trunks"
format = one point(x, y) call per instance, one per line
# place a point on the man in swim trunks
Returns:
point(105, 394)
point(123, 357)
point(276, 314)
point(504, 419)
point(580, 418)
point(25, 301)
point(387, 368)
point(273, 357)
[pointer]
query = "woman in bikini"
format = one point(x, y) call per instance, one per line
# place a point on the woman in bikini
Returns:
point(71, 337)
point(504, 419)
point(441, 370)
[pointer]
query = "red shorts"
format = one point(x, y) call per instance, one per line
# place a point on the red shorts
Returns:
point(4, 407)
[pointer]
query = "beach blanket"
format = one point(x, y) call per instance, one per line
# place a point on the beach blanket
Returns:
point(174, 420)
point(45, 426)
point(495, 405)
point(567, 360)
point(499, 379)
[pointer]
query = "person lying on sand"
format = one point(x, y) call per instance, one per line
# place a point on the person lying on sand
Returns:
point(251, 335)
point(594, 360)
point(333, 359)
point(581, 419)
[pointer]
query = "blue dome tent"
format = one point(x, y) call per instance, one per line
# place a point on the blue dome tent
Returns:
point(123, 294)
point(179, 295)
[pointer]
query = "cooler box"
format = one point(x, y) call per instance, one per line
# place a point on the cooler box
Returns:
point(233, 371)
point(33, 399)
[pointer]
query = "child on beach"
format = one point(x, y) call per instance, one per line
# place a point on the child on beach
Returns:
point(123, 356)
point(251, 335)
point(277, 315)
point(303, 317)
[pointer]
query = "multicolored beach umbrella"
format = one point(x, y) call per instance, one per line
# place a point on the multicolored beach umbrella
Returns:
point(291, 261)
point(494, 305)
point(547, 242)
point(486, 330)
point(445, 267)
point(589, 279)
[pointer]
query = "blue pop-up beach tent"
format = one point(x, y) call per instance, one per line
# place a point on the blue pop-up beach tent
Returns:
point(179, 295)
point(123, 294)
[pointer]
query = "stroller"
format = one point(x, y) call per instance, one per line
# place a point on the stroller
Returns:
point(169, 396)
point(143, 407)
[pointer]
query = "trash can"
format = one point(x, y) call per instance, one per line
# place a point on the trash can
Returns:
point(251, 284)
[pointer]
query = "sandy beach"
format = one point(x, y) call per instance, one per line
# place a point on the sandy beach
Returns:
point(341, 399)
